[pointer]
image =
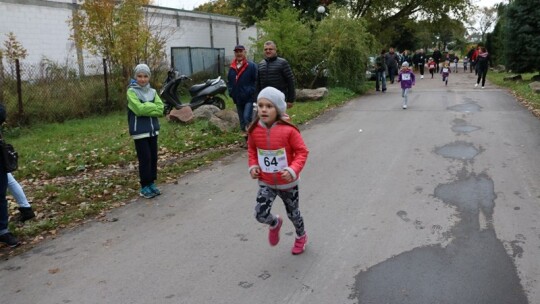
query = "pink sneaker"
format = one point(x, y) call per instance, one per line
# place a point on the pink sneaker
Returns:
point(273, 233)
point(299, 244)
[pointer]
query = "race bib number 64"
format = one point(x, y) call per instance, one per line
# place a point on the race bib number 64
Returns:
point(271, 161)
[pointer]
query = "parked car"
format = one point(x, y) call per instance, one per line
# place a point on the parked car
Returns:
point(371, 69)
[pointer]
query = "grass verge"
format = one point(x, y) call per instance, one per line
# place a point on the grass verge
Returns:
point(520, 89)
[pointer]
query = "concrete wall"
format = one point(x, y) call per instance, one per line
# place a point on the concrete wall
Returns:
point(41, 27)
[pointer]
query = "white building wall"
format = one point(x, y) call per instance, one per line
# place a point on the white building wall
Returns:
point(42, 30)
point(41, 27)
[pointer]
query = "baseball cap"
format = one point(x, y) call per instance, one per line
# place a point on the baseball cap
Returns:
point(239, 47)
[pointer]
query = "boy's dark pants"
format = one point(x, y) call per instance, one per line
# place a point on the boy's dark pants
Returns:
point(147, 154)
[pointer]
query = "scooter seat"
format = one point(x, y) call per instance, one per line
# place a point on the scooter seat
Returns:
point(197, 87)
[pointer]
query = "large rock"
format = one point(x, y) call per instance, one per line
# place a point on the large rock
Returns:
point(311, 94)
point(225, 120)
point(184, 115)
point(499, 68)
point(535, 87)
point(205, 112)
point(513, 78)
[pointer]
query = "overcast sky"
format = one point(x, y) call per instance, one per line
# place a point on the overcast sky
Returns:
point(190, 4)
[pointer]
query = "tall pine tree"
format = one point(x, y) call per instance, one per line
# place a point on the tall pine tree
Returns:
point(523, 31)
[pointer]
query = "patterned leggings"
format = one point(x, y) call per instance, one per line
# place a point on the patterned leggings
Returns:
point(290, 197)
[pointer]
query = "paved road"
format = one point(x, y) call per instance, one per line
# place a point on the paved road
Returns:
point(435, 204)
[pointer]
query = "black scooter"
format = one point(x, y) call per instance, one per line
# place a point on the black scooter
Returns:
point(201, 94)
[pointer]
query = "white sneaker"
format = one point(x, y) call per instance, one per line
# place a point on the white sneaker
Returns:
point(421, 76)
point(482, 87)
point(475, 85)
point(404, 107)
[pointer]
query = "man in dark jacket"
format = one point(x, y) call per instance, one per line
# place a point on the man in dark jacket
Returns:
point(242, 81)
point(380, 65)
point(437, 55)
point(421, 61)
point(392, 60)
point(276, 72)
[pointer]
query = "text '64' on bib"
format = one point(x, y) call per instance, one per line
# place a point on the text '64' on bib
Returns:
point(405, 76)
point(271, 161)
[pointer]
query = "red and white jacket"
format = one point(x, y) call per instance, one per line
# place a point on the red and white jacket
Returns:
point(275, 148)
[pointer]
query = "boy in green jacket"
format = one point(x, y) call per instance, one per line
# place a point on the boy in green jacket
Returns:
point(144, 108)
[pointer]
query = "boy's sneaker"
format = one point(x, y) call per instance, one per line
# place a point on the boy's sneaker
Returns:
point(273, 232)
point(147, 192)
point(154, 189)
point(299, 244)
point(9, 239)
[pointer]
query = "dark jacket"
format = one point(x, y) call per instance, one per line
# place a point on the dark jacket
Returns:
point(437, 55)
point(380, 64)
point(276, 72)
point(406, 58)
point(392, 60)
point(421, 59)
point(242, 83)
point(482, 60)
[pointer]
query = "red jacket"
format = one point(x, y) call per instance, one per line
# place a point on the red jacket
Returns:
point(474, 55)
point(267, 148)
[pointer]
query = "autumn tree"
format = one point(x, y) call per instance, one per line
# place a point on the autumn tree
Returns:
point(13, 50)
point(220, 7)
point(118, 31)
point(250, 11)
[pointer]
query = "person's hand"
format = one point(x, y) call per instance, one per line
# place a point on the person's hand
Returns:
point(286, 175)
point(290, 105)
point(255, 172)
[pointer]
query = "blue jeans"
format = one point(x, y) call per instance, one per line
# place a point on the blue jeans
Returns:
point(404, 94)
point(17, 191)
point(245, 113)
point(381, 76)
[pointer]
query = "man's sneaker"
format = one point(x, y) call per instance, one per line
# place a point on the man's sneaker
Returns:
point(421, 76)
point(273, 232)
point(299, 244)
point(475, 85)
point(482, 87)
point(404, 107)
point(154, 189)
point(25, 214)
point(147, 192)
point(9, 239)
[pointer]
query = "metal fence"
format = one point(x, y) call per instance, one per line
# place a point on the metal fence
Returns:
point(190, 60)
point(50, 92)
point(53, 92)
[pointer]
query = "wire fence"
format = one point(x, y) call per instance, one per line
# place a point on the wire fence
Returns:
point(49, 92)
point(52, 92)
